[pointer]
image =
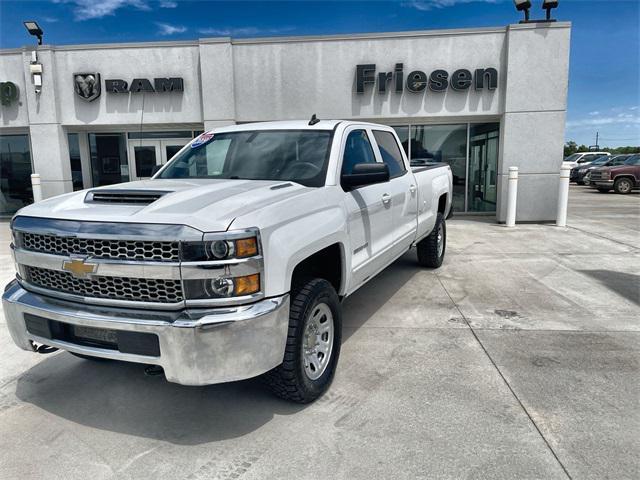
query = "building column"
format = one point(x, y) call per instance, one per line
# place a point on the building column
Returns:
point(50, 157)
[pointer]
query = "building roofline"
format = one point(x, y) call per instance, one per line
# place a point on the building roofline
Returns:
point(288, 39)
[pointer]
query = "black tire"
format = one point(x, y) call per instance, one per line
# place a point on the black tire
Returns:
point(580, 182)
point(289, 380)
point(428, 255)
point(603, 190)
point(93, 359)
point(623, 185)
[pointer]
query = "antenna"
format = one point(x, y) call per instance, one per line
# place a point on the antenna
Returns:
point(313, 120)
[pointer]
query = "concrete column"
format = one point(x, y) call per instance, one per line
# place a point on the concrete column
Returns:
point(217, 79)
point(49, 145)
point(535, 102)
point(50, 154)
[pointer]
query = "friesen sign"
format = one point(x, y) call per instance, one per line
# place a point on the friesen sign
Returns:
point(417, 80)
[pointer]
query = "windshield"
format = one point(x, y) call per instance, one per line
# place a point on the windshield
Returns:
point(572, 158)
point(600, 160)
point(633, 160)
point(299, 156)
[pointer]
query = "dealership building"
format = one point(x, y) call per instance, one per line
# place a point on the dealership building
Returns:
point(482, 100)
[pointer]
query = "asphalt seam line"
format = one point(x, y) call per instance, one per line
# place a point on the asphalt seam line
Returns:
point(603, 237)
point(564, 469)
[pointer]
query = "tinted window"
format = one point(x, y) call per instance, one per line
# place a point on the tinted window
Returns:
point(390, 152)
point(634, 160)
point(294, 155)
point(572, 158)
point(357, 149)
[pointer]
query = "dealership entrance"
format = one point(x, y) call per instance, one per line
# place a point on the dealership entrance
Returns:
point(146, 153)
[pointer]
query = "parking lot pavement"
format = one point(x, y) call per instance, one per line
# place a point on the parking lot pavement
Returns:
point(519, 358)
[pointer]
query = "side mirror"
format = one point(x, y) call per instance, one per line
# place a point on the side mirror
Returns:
point(365, 174)
point(156, 169)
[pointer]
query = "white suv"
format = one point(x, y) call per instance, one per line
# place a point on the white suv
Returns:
point(581, 158)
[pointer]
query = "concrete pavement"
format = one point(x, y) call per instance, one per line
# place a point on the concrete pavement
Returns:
point(519, 358)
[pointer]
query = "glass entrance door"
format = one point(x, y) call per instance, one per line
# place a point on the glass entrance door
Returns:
point(483, 166)
point(145, 154)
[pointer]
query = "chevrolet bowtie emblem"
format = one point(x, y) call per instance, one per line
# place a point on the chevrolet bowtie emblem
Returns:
point(79, 268)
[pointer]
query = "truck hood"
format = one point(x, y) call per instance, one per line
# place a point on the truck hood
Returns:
point(205, 204)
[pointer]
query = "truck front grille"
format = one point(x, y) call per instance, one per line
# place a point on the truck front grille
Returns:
point(114, 288)
point(113, 249)
point(596, 175)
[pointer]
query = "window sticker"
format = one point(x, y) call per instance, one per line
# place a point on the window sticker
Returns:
point(202, 139)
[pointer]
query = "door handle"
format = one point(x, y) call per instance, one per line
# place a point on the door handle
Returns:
point(412, 189)
point(386, 198)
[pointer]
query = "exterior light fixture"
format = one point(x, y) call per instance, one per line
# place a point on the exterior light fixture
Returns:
point(548, 5)
point(34, 29)
point(35, 67)
point(525, 5)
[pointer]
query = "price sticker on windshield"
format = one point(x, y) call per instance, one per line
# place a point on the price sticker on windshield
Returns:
point(202, 139)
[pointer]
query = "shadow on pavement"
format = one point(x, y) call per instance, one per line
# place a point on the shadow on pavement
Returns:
point(626, 285)
point(118, 397)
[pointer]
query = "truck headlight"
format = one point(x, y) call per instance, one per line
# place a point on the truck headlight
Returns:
point(222, 287)
point(220, 249)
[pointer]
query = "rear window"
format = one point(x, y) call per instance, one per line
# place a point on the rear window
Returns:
point(390, 152)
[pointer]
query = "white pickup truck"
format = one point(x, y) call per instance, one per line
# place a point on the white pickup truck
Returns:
point(231, 262)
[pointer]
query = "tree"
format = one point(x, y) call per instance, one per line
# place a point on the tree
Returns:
point(570, 148)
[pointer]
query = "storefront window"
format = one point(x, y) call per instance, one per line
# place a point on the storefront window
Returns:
point(403, 134)
point(108, 158)
point(443, 143)
point(74, 159)
point(483, 166)
point(15, 173)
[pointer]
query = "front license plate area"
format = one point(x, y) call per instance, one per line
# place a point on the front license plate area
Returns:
point(96, 335)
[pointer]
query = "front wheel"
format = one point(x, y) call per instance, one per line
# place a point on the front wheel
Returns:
point(431, 249)
point(623, 185)
point(313, 344)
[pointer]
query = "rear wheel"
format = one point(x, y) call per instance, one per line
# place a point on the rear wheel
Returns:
point(623, 185)
point(432, 248)
point(313, 344)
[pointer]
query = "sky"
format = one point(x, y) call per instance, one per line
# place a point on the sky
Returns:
point(604, 76)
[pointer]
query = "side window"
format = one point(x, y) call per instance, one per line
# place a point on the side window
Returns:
point(357, 149)
point(390, 152)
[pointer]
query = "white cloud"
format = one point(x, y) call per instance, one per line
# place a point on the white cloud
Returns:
point(633, 108)
point(167, 29)
point(168, 4)
point(243, 31)
point(594, 113)
point(626, 118)
point(426, 5)
point(49, 19)
point(89, 9)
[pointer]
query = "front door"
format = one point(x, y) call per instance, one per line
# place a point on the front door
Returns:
point(144, 155)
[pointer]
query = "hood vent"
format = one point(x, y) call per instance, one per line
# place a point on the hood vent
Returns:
point(131, 197)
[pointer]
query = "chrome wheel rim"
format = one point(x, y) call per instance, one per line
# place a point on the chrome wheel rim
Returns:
point(624, 186)
point(317, 341)
point(440, 240)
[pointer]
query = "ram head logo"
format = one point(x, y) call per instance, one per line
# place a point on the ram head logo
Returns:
point(87, 85)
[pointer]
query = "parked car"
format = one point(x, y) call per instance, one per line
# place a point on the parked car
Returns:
point(585, 171)
point(622, 178)
point(233, 260)
point(582, 157)
point(578, 173)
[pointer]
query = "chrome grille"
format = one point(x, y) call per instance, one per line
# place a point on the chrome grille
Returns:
point(114, 249)
point(115, 288)
point(597, 175)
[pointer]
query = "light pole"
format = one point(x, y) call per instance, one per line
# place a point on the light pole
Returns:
point(35, 67)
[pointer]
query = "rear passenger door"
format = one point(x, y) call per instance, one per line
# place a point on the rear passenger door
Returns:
point(402, 189)
point(368, 209)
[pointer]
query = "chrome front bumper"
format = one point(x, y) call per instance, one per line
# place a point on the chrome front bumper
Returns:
point(197, 346)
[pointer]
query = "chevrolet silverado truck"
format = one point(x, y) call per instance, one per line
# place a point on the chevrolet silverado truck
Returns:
point(622, 178)
point(232, 260)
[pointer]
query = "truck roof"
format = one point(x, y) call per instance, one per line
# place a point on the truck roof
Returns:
point(289, 125)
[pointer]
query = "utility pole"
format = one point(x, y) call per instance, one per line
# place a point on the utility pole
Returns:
point(597, 146)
